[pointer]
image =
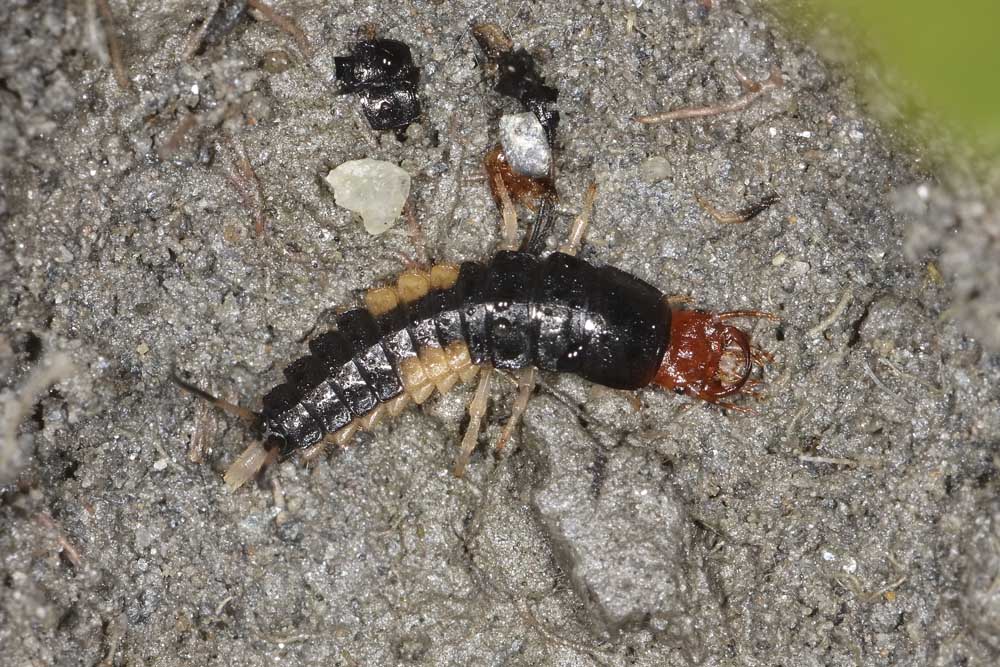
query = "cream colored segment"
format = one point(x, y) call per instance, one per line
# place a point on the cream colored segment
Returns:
point(436, 364)
point(343, 436)
point(460, 362)
point(310, 453)
point(246, 466)
point(398, 404)
point(446, 383)
point(415, 379)
point(412, 285)
point(458, 356)
point(468, 373)
point(381, 300)
point(370, 420)
point(444, 276)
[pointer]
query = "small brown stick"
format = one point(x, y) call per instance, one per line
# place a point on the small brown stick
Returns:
point(245, 180)
point(752, 90)
point(739, 216)
point(71, 553)
point(284, 23)
point(114, 48)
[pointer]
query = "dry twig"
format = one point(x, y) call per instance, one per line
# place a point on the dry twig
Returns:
point(245, 180)
point(114, 48)
point(741, 215)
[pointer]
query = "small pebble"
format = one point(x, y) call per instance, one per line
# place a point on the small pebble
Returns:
point(655, 169)
point(275, 61)
point(524, 144)
point(373, 189)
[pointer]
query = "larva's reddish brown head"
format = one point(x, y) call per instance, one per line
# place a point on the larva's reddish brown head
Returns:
point(706, 357)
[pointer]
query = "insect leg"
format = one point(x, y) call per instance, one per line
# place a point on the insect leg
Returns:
point(525, 387)
point(758, 314)
point(477, 410)
point(579, 228)
point(508, 230)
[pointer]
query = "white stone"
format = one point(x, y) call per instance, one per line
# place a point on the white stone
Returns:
point(524, 144)
point(374, 189)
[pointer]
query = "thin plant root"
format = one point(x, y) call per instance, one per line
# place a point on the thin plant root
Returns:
point(739, 216)
point(752, 90)
point(14, 408)
point(841, 306)
point(754, 314)
point(284, 23)
point(807, 458)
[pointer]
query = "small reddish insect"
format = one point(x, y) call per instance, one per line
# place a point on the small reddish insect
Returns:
point(518, 311)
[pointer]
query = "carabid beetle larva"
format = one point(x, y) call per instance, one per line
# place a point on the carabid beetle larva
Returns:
point(518, 311)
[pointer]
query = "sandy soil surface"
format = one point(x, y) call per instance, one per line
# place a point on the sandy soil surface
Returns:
point(851, 518)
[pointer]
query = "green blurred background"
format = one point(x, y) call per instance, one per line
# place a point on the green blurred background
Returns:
point(922, 64)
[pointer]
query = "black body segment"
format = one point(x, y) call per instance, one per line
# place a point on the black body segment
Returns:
point(560, 311)
point(628, 321)
point(505, 305)
point(558, 314)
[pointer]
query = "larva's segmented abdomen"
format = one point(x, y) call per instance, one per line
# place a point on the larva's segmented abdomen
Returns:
point(433, 329)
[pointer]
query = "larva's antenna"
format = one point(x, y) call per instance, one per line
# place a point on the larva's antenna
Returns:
point(245, 414)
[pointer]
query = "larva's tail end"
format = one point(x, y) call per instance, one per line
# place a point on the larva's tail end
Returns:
point(248, 464)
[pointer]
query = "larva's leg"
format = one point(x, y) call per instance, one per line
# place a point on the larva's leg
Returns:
point(525, 387)
point(477, 410)
point(750, 314)
point(579, 228)
point(508, 230)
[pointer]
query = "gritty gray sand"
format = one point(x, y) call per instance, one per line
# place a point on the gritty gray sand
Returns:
point(851, 518)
